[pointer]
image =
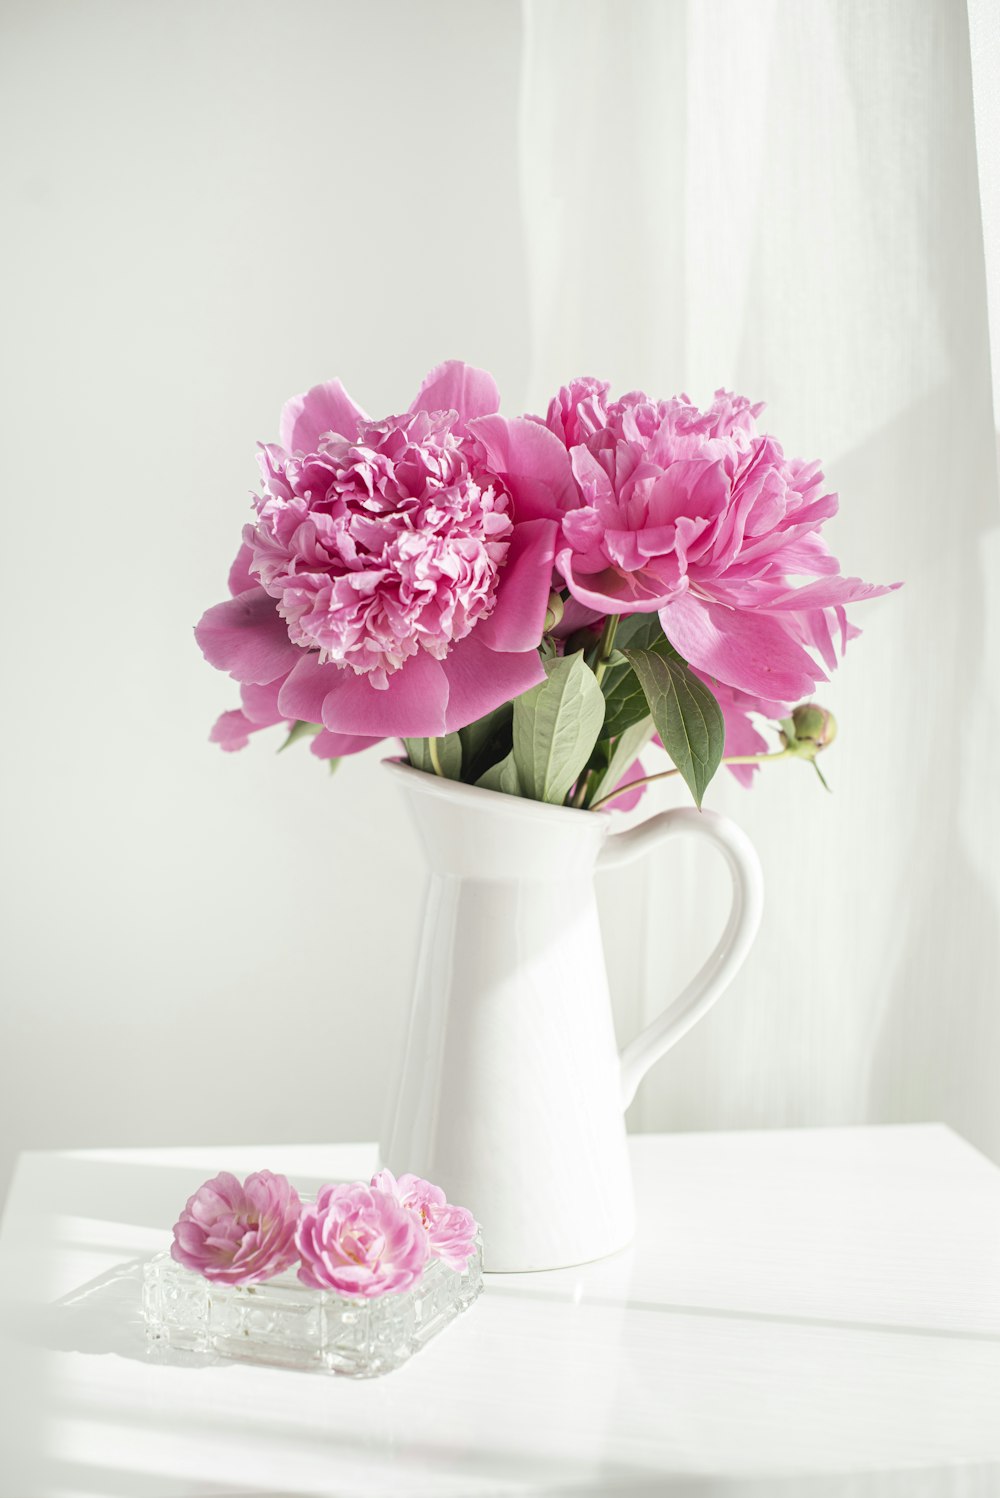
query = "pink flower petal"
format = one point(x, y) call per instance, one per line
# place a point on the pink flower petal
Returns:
point(327, 745)
point(532, 463)
point(324, 408)
point(612, 592)
point(518, 615)
point(578, 616)
point(829, 591)
point(480, 679)
point(741, 735)
point(412, 705)
point(631, 799)
point(360, 1241)
point(240, 576)
point(451, 1233)
point(237, 1234)
point(247, 637)
point(816, 629)
point(260, 703)
point(305, 687)
point(416, 1192)
point(745, 650)
point(232, 731)
point(368, 587)
point(454, 386)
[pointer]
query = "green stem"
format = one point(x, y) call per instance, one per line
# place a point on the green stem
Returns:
point(756, 759)
point(606, 644)
point(605, 648)
point(730, 759)
point(435, 758)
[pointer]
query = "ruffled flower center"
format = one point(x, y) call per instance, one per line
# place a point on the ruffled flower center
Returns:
point(380, 546)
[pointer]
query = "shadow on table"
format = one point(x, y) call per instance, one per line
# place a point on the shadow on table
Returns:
point(736, 1313)
point(610, 1481)
point(102, 1316)
point(126, 1482)
point(613, 1483)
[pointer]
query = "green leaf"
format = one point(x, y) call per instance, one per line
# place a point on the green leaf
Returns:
point(502, 777)
point(638, 632)
point(449, 748)
point(299, 731)
point(684, 712)
point(334, 765)
point(556, 726)
point(623, 751)
point(626, 701)
point(491, 733)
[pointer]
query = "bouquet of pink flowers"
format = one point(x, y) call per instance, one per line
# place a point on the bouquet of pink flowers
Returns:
point(355, 1238)
point(527, 602)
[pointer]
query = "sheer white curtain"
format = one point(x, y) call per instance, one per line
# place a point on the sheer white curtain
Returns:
point(984, 48)
point(782, 198)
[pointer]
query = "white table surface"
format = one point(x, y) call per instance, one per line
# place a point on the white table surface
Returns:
point(810, 1312)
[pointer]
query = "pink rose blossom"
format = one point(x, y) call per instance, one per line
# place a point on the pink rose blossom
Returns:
point(693, 515)
point(235, 1234)
point(394, 581)
point(451, 1231)
point(360, 1241)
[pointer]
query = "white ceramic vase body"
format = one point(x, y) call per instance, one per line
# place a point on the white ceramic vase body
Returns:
point(513, 1090)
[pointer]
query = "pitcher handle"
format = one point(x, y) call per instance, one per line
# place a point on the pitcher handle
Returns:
point(729, 955)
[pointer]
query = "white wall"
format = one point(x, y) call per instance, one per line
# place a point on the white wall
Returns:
point(215, 205)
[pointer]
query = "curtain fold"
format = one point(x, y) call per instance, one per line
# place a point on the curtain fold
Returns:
point(984, 50)
point(783, 199)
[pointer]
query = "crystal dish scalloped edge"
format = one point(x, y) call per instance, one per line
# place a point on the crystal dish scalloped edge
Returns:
point(282, 1322)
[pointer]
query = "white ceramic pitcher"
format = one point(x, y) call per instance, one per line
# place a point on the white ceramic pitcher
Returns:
point(513, 1090)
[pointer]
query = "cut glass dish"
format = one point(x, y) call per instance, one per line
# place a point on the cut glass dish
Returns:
point(283, 1322)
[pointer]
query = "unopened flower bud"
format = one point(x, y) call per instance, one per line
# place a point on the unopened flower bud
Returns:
point(809, 729)
point(554, 612)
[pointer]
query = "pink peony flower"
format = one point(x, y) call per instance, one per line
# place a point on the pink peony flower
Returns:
point(395, 581)
point(360, 1241)
point(235, 1234)
point(692, 515)
point(451, 1231)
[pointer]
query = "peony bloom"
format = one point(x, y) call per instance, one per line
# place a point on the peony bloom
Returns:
point(451, 1231)
point(396, 577)
point(235, 1234)
point(693, 515)
point(358, 1240)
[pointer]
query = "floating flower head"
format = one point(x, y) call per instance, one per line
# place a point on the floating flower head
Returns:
point(237, 1233)
point(451, 1231)
point(396, 578)
point(359, 1240)
point(697, 517)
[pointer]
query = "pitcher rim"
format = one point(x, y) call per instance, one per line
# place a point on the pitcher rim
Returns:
point(452, 790)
